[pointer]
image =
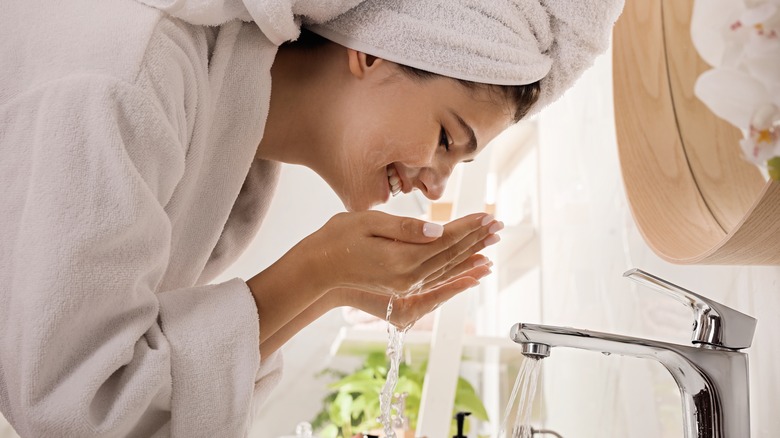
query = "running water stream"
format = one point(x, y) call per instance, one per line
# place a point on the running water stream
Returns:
point(395, 345)
point(525, 384)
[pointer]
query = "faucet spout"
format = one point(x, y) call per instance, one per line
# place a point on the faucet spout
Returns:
point(713, 381)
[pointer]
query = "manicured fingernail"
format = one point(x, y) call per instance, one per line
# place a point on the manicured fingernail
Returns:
point(432, 230)
point(482, 261)
point(487, 219)
point(498, 226)
point(492, 239)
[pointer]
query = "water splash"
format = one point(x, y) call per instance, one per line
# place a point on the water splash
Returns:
point(525, 384)
point(395, 345)
point(394, 348)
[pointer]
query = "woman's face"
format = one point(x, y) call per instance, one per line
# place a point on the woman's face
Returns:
point(418, 129)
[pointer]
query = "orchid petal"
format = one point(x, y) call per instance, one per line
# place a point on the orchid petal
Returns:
point(710, 27)
point(732, 95)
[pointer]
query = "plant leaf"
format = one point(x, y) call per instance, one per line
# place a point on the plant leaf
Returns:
point(466, 399)
point(358, 406)
point(320, 420)
point(408, 386)
point(376, 359)
point(329, 431)
point(365, 387)
point(360, 375)
point(773, 168)
point(341, 410)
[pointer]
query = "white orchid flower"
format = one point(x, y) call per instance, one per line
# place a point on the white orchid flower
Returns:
point(741, 41)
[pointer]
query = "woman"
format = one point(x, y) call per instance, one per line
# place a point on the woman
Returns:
point(139, 148)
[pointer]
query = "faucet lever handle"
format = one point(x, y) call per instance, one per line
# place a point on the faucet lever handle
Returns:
point(715, 324)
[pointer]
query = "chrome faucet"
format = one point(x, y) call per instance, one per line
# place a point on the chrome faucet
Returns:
point(712, 374)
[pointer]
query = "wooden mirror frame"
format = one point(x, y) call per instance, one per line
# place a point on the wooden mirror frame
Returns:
point(694, 198)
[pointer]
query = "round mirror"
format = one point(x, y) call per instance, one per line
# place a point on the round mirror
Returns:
point(694, 198)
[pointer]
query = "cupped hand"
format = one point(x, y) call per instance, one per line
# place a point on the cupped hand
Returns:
point(407, 309)
point(380, 253)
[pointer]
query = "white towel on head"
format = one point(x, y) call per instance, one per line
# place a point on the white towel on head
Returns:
point(502, 42)
point(280, 20)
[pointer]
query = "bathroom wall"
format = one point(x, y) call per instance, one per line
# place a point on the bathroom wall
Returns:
point(588, 241)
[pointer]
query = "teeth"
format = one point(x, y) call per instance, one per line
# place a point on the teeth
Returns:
point(394, 180)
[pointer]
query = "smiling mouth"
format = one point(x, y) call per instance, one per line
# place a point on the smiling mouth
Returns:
point(394, 180)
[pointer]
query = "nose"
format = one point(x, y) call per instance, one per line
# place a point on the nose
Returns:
point(434, 181)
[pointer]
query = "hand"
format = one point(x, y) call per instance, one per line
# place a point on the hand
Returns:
point(377, 252)
point(408, 309)
point(360, 260)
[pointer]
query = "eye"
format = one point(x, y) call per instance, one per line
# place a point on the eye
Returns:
point(444, 140)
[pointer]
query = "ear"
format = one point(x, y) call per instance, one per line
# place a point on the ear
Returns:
point(362, 64)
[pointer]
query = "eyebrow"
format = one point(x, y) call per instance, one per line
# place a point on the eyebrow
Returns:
point(471, 146)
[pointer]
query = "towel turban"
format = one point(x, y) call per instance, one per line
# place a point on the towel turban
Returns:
point(501, 42)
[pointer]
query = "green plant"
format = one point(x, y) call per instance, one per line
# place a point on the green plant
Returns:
point(353, 404)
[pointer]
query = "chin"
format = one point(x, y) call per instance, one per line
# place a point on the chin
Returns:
point(362, 206)
point(358, 204)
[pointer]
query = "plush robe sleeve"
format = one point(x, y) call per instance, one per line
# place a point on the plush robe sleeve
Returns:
point(90, 346)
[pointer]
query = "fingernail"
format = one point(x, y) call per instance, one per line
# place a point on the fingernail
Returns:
point(492, 239)
point(498, 226)
point(482, 261)
point(432, 230)
point(487, 219)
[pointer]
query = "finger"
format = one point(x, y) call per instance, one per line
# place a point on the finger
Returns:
point(444, 274)
point(405, 229)
point(448, 290)
point(455, 231)
point(476, 273)
point(459, 235)
point(408, 310)
point(435, 297)
point(469, 245)
point(412, 262)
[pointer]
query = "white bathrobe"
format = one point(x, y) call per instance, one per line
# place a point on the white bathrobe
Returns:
point(126, 140)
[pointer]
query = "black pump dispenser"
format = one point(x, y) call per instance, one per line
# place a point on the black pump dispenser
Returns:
point(460, 417)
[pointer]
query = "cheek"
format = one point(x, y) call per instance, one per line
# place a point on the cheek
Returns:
point(376, 140)
point(359, 164)
point(372, 137)
point(408, 141)
point(364, 144)
point(396, 127)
